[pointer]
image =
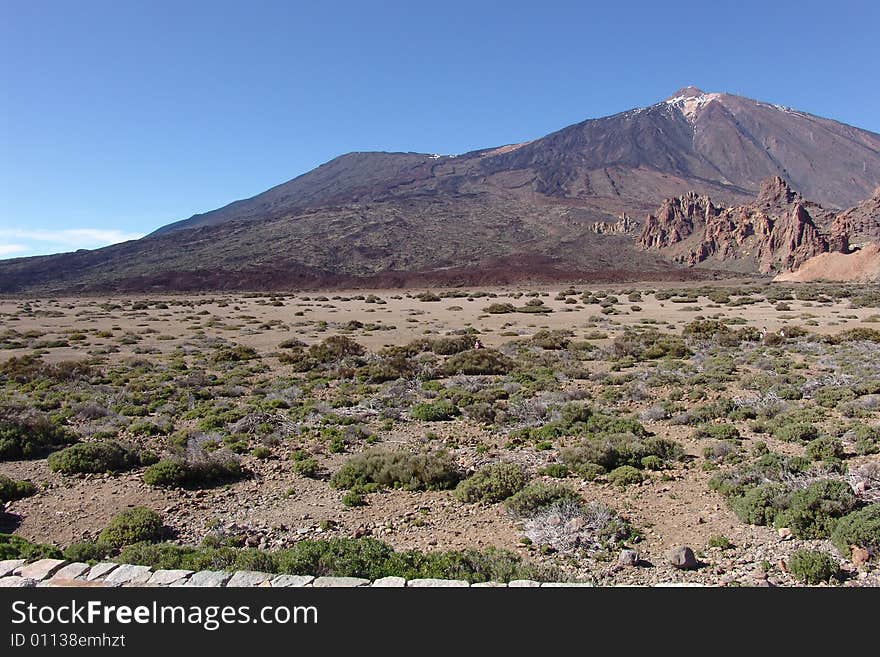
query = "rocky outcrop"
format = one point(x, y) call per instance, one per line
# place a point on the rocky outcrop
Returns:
point(779, 231)
point(859, 225)
point(624, 226)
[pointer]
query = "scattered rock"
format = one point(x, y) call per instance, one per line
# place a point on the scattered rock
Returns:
point(130, 574)
point(246, 578)
point(8, 566)
point(785, 534)
point(16, 582)
point(565, 584)
point(860, 556)
point(430, 582)
point(386, 582)
point(683, 558)
point(71, 570)
point(168, 577)
point(41, 569)
point(208, 578)
point(327, 582)
point(628, 558)
point(290, 581)
point(99, 571)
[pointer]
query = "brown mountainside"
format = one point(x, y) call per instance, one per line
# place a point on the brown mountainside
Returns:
point(549, 208)
point(778, 231)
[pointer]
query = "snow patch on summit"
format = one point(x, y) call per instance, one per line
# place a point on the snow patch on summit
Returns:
point(691, 104)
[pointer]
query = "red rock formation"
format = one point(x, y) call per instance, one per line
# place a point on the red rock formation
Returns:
point(859, 225)
point(778, 232)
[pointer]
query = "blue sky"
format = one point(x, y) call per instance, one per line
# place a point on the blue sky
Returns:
point(119, 117)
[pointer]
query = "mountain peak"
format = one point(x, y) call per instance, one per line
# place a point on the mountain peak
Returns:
point(686, 92)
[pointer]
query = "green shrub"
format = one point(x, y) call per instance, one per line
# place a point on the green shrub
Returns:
point(648, 345)
point(867, 439)
point(306, 467)
point(29, 436)
point(132, 526)
point(86, 551)
point(624, 475)
point(344, 557)
point(449, 345)
point(261, 452)
point(353, 498)
point(799, 432)
point(15, 547)
point(11, 490)
point(389, 367)
point(334, 349)
point(438, 411)
point(813, 511)
point(652, 462)
point(551, 340)
point(166, 473)
point(399, 469)
point(106, 456)
point(825, 448)
point(236, 354)
point(499, 308)
point(538, 496)
point(211, 470)
point(492, 483)
point(610, 451)
point(812, 566)
point(860, 528)
point(478, 361)
point(760, 505)
point(557, 470)
point(720, 541)
point(298, 359)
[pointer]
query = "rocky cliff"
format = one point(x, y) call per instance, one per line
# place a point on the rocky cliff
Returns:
point(778, 231)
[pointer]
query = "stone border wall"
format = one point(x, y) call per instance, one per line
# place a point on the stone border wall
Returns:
point(17, 573)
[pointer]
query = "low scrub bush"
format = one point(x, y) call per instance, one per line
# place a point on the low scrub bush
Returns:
point(539, 495)
point(106, 456)
point(29, 435)
point(15, 547)
point(236, 354)
point(398, 469)
point(571, 526)
point(334, 349)
point(649, 345)
point(492, 483)
point(611, 451)
point(11, 490)
point(812, 512)
point(860, 528)
point(344, 557)
point(797, 432)
point(625, 475)
point(87, 551)
point(812, 566)
point(477, 362)
point(209, 470)
point(825, 448)
point(134, 525)
point(437, 411)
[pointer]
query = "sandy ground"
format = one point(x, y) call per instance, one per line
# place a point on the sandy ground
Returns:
point(277, 506)
point(859, 267)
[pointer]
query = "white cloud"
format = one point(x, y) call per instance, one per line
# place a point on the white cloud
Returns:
point(9, 249)
point(74, 237)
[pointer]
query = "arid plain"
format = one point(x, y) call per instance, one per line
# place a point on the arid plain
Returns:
point(565, 426)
